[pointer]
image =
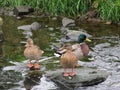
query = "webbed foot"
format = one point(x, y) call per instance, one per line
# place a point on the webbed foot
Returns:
point(65, 74)
point(36, 66)
point(30, 65)
point(72, 74)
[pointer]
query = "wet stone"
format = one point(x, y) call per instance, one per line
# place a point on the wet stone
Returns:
point(35, 26)
point(9, 78)
point(68, 22)
point(24, 27)
point(28, 28)
point(22, 10)
point(84, 77)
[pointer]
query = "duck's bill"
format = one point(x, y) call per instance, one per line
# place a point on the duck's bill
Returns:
point(87, 39)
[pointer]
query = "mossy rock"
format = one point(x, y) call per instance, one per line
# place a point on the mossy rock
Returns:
point(9, 78)
point(84, 77)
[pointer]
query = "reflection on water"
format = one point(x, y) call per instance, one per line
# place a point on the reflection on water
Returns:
point(32, 79)
point(45, 84)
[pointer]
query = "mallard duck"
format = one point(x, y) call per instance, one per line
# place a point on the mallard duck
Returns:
point(81, 48)
point(32, 52)
point(68, 60)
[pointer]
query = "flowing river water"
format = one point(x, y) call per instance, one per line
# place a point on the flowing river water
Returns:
point(105, 53)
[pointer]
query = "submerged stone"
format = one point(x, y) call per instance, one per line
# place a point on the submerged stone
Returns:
point(35, 26)
point(28, 28)
point(68, 22)
point(24, 27)
point(84, 77)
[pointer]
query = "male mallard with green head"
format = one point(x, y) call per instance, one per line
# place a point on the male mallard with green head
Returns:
point(81, 48)
point(32, 52)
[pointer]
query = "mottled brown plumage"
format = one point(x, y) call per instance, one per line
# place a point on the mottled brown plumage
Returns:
point(32, 52)
point(68, 60)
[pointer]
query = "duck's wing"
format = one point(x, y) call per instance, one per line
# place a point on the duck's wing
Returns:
point(75, 46)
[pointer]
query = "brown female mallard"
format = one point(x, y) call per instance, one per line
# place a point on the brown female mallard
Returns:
point(68, 60)
point(32, 52)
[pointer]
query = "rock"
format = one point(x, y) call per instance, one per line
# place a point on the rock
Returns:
point(35, 26)
point(84, 77)
point(18, 17)
point(54, 18)
point(118, 24)
point(9, 78)
point(1, 21)
point(22, 10)
point(27, 33)
point(68, 22)
point(27, 30)
point(108, 22)
point(94, 20)
point(24, 27)
point(51, 28)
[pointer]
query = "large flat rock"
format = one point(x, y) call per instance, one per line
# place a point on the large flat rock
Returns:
point(22, 10)
point(84, 77)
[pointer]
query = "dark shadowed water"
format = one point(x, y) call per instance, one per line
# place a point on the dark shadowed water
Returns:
point(105, 53)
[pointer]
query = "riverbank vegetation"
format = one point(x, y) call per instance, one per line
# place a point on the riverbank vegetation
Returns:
point(107, 9)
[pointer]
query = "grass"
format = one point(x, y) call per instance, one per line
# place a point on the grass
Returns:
point(108, 9)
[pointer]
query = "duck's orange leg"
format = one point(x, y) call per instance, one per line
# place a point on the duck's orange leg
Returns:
point(30, 64)
point(65, 73)
point(36, 66)
point(72, 73)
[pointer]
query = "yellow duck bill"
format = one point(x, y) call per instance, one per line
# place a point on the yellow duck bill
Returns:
point(87, 39)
